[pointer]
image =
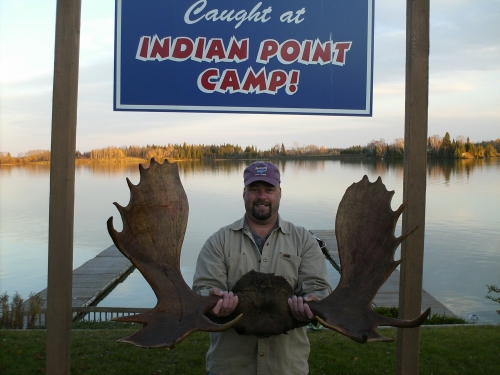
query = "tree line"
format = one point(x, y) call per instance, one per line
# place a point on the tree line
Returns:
point(196, 152)
point(437, 147)
point(178, 152)
point(461, 147)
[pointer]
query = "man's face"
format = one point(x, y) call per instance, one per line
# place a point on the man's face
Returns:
point(262, 200)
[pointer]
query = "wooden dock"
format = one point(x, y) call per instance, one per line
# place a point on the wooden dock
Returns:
point(388, 295)
point(93, 279)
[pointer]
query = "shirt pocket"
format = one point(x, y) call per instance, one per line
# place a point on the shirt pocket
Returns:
point(237, 267)
point(288, 267)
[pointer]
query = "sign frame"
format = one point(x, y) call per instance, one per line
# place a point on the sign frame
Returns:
point(222, 105)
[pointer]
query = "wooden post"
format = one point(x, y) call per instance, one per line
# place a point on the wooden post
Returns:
point(62, 186)
point(415, 166)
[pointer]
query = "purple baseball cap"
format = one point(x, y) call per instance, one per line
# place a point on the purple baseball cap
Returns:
point(262, 171)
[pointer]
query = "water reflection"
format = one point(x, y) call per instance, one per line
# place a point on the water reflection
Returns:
point(217, 166)
point(31, 168)
point(378, 167)
point(446, 168)
point(453, 168)
point(462, 243)
point(107, 168)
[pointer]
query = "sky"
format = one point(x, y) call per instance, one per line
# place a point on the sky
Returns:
point(464, 85)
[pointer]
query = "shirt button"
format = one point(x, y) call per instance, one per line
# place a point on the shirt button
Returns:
point(262, 354)
point(267, 244)
point(265, 260)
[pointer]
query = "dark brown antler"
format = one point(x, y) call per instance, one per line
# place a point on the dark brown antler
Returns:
point(364, 228)
point(154, 224)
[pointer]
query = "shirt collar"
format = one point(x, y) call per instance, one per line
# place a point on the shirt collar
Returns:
point(283, 225)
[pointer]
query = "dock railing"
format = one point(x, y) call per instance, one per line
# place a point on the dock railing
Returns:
point(86, 314)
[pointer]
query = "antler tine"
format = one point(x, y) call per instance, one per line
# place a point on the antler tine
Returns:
point(403, 236)
point(131, 186)
point(120, 209)
point(111, 229)
point(400, 209)
point(401, 323)
point(156, 330)
point(397, 214)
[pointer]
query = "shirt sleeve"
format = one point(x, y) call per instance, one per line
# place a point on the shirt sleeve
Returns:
point(313, 275)
point(211, 268)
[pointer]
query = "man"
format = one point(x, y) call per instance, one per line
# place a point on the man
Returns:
point(264, 242)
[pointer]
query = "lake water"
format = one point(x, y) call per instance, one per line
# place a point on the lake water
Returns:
point(462, 238)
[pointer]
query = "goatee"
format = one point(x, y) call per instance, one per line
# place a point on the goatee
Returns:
point(262, 215)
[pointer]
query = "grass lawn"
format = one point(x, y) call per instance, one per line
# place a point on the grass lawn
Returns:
point(466, 349)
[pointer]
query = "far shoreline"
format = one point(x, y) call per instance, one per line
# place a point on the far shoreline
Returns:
point(132, 160)
point(135, 160)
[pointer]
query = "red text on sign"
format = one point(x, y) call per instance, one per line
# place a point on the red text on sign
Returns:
point(306, 52)
point(183, 48)
point(228, 81)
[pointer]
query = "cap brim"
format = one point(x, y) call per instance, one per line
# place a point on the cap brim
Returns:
point(269, 180)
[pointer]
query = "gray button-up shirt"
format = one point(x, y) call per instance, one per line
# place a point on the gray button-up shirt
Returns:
point(230, 253)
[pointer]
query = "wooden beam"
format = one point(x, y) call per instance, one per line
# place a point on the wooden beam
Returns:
point(62, 186)
point(414, 187)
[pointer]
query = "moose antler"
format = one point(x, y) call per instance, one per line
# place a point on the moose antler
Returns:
point(154, 224)
point(364, 228)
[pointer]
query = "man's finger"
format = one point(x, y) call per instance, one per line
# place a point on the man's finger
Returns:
point(310, 297)
point(308, 311)
point(225, 301)
point(216, 292)
point(294, 307)
point(300, 306)
point(300, 310)
point(217, 307)
point(233, 302)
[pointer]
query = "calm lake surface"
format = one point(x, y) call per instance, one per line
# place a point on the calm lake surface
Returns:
point(462, 238)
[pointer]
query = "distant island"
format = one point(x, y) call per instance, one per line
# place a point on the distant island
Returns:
point(437, 147)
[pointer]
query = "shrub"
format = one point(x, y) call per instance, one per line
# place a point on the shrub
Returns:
point(12, 314)
point(35, 308)
point(5, 310)
point(16, 311)
point(495, 289)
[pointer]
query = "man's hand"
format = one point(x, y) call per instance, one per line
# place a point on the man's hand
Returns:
point(226, 305)
point(301, 310)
